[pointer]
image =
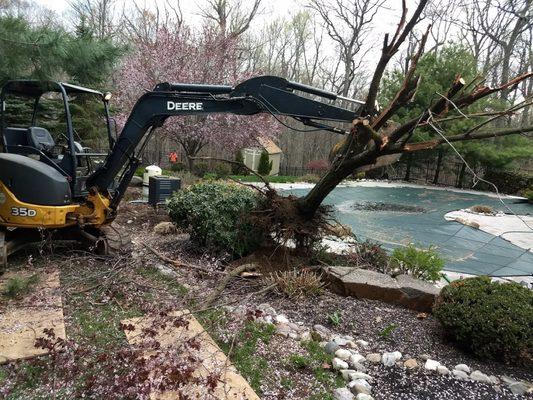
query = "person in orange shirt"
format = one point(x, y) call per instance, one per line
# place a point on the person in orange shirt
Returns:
point(173, 157)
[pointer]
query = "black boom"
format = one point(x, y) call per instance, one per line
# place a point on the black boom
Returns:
point(268, 94)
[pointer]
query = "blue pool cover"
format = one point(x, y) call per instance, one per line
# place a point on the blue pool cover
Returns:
point(466, 250)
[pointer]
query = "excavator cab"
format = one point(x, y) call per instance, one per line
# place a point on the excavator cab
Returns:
point(37, 122)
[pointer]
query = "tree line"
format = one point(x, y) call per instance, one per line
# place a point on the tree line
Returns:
point(127, 47)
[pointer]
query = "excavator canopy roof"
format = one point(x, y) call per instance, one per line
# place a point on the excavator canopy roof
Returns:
point(34, 88)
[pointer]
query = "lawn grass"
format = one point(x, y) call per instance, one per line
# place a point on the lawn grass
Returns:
point(243, 352)
point(171, 284)
point(271, 179)
point(319, 358)
point(17, 287)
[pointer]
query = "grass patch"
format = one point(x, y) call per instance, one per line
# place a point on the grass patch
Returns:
point(17, 287)
point(155, 275)
point(385, 333)
point(322, 396)
point(29, 378)
point(318, 358)
point(243, 355)
point(298, 361)
point(286, 383)
point(101, 325)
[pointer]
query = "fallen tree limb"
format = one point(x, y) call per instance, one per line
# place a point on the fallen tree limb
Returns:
point(222, 285)
point(178, 264)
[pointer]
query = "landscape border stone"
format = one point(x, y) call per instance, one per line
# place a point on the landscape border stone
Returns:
point(403, 290)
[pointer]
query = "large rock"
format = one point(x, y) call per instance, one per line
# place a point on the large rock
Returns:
point(360, 386)
point(342, 394)
point(462, 367)
point(331, 347)
point(431, 365)
point(403, 290)
point(373, 357)
point(338, 364)
point(417, 294)
point(461, 375)
point(411, 363)
point(343, 354)
point(479, 376)
point(389, 359)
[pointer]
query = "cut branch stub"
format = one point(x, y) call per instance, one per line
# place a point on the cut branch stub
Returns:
point(439, 107)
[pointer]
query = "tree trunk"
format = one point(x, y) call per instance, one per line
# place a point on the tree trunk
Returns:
point(408, 167)
point(190, 162)
point(339, 171)
point(438, 167)
point(461, 177)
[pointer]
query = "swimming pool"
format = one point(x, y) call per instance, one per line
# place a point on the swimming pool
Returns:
point(396, 216)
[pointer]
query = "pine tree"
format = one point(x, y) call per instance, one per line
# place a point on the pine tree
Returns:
point(265, 165)
point(238, 169)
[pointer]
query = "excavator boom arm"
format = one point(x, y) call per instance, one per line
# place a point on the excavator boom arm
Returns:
point(268, 94)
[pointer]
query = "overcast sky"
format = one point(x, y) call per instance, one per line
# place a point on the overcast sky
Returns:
point(270, 9)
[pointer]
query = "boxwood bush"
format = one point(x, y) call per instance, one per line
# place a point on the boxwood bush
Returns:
point(490, 319)
point(218, 214)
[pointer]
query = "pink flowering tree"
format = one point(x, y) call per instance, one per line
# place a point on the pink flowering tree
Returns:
point(187, 56)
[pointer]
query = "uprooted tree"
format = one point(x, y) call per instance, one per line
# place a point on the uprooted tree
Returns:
point(375, 139)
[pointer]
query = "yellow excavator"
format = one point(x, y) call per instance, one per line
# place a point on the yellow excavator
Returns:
point(51, 186)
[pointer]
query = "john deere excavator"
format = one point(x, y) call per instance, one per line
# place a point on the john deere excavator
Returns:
point(52, 186)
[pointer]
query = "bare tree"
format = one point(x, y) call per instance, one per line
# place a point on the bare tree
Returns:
point(496, 27)
point(291, 47)
point(141, 23)
point(14, 7)
point(348, 24)
point(98, 15)
point(230, 15)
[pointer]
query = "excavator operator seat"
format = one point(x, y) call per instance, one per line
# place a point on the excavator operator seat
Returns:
point(40, 138)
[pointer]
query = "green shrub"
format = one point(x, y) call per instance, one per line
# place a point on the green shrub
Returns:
point(368, 255)
point(201, 168)
point(265, 165)
point(425, 264)
point(510, 182)
point(237, 169)
point(335, 319)
point(310, 178)
point(210, 176)
point(490, 319)
point(177, 167)
point(528, 194)
point(222, 170)
point(140, 171)
point(217, 213)
point(359, 175)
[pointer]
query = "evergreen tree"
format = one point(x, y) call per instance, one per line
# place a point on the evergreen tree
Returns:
point(265, 165)
point(49, 52)
point(238, 169)
point(442, 66)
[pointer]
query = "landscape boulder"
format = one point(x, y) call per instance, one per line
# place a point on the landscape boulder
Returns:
point(403, 290)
